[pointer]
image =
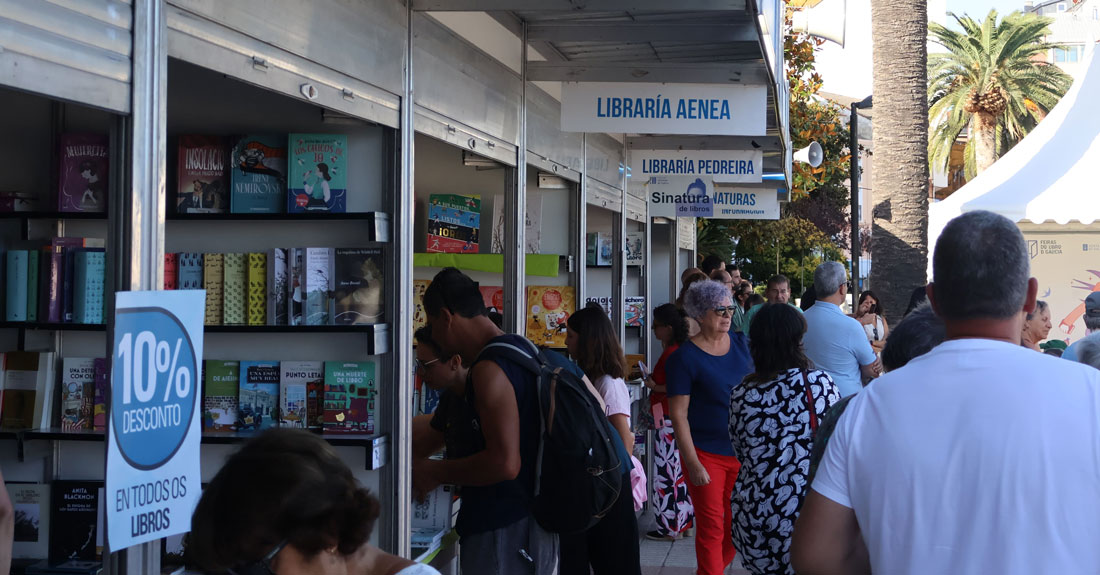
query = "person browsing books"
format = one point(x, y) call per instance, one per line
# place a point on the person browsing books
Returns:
point(454, 423)
point(287, 504)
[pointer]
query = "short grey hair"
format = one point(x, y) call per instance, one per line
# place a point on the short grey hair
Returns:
point(1088, 350)
point(828, 277)
point(703, 296)
point(1040, 307)
point(980, 268)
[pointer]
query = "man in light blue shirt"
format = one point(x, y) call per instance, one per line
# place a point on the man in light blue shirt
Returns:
point(1092, 323)
point(835, 342)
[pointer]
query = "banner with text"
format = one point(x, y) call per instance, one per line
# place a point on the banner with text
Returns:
point(154, 428)
point(722, 166)
point(697, 197)
point(641, 108)
point(1067, 266)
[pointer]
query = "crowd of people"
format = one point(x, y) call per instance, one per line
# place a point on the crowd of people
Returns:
point(808, 440)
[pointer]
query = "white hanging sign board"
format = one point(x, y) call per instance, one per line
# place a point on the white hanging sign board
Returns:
point(697, 197)
point(154, 424)
point(723, 166)
point(641, 108)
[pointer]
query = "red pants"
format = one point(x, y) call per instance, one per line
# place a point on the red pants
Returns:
point(713, 515)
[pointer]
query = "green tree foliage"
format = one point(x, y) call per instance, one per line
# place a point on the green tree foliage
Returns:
point(794, 246)
point(992, 82)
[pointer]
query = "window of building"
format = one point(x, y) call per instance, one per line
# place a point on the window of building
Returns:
point(1069, 54)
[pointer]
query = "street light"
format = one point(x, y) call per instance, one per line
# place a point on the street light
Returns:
point(853, 147)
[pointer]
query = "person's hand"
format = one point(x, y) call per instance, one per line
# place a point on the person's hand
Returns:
point(423, 480)
point(697, 474)
point(877, 367)
point(649, 383)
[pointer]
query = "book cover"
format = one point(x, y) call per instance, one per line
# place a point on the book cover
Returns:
point(548, 308)
point(350, 395)
point(102, 383)
point(74, 514)
point(493, 296)
point(318, 273)
point(27, 379)
point(33, 267)
point(31, 506)
point(18, 202)
point(77, 393)
point(258, 406)
point(635, 246)
point(635, 311)
point(277, 290)
point(52, 308)
point(604, 302)
point(203, 175)
point(257, 289)
point(190, 271)
point(15, 284)
point(235, 289)
point(221, 380)
point(296, 292)
point(89, 291)
point(82, 186)
point(297, 381)
point(318, 173)
point(420, 316)
point(532, 238)
point(213, 276)
point(357, 286)
point(171, 271)
point(600, 249)
point(258, 176)
point(454, 223)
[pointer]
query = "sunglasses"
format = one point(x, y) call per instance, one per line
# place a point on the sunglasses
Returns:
point(422, 366)
point(725, 311)
point(260, 567)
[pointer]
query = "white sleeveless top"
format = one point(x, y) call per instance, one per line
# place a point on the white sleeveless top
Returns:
point(875, 330)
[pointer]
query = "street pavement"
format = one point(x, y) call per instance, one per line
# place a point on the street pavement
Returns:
point(672, 557)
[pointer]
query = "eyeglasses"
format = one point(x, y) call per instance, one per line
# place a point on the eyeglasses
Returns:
point(725, 311)
point(422, 366)
point(260, 567)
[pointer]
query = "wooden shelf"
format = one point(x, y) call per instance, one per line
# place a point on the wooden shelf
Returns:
point(378, 340)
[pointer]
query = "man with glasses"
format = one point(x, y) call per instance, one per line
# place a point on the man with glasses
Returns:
point(778, 291)
point(834, 341)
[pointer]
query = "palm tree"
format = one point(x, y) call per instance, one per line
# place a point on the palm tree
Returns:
point(992, 82)
point(899, 241)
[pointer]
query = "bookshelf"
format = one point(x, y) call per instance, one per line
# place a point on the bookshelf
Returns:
point(53, 216)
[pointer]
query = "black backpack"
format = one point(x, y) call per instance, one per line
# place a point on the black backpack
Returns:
point(578, 474)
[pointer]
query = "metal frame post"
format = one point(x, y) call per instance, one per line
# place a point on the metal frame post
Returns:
point(674, 259)
point(579, 228)
point(619, 278)
point(515, 217)
point(853, 167)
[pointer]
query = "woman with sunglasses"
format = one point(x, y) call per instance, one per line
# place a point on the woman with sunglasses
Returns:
point(286, 504)
point(701, 374)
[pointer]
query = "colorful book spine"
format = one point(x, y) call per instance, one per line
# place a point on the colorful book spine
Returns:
point(99, 409)
point(318, 173)
point(277, 290)
point(171, 271)
point(221, 380)
point(77, 393)
point(33, 263)
point(203, 175)
point(257, 288)
point(317, 271)
point(350, 397)
point(213, 277)
point(235, 289)
point(82, 186)
point(258, 407)
point(296, 286)
point(258, 175)
point(15, 299)
point(357, 286)
point(301, 385)
point(89, 274)
point(55, 281)
point(190, 271)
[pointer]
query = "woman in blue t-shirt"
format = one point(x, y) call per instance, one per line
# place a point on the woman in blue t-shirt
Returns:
point(701, 375)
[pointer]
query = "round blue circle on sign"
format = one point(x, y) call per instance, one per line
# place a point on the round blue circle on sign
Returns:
point(154, 383)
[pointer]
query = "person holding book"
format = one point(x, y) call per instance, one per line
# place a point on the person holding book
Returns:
point(286, 503)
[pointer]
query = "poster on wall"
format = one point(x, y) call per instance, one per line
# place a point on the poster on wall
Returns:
point(1068, 269)
point(532, 235)
point(548, 308)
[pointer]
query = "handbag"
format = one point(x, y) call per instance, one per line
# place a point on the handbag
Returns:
point(810, 401)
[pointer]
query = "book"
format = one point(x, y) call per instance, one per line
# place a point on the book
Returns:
point(213, 276)
point(301, 387)
point(454, 223)
point(317, 269)
point(190, 271)
point(420, 316)
point(31, 506)
point(52, 280)
point(635, 246)
point(604, 302)
point(15, 285)
point(258, 175)
point(74, 514)
point(350, 395)
point(635, 311)
point(171, 270)
point(89, 292)
point(296, 292)
point(600, 247)
point(33, 263)
point(548, 309)
point(85, 163)
point(258, 406)
point(318, 173)
point(102, 384)
point(493, 296)
point(18, 202)
point(77, 393)
point(277, 290)
point(202, 175)
point(532, 237)
point(235, 289)
point(28, 390)
point(221, 380)
point(357, 286)
point(256, 313)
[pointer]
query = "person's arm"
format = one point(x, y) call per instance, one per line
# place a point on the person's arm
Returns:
point(678, 412)
point(827, 539)
point(427, 440)
point(654, 386)
point(500, 460)
point(622, 425)
point(869, 364)
point(7, 527)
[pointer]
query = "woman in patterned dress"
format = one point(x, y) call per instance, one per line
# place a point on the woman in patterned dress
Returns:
point(773, 415)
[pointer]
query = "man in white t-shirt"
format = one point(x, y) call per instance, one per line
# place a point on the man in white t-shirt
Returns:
point(981, 456)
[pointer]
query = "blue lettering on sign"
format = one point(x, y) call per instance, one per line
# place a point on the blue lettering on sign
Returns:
point(645, 108)
point(735, 199)
point(687, 166)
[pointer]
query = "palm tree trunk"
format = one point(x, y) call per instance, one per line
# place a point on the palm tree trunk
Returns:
point(984, 131)
point(899, 239)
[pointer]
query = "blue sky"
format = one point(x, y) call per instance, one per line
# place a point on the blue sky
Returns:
point(979, 8)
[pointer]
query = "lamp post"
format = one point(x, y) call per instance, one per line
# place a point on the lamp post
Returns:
point(853, 167)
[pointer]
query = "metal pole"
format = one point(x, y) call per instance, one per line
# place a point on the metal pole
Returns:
point(580, 231)
point(853, 167)
point(515, 217)
point(619, 279)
